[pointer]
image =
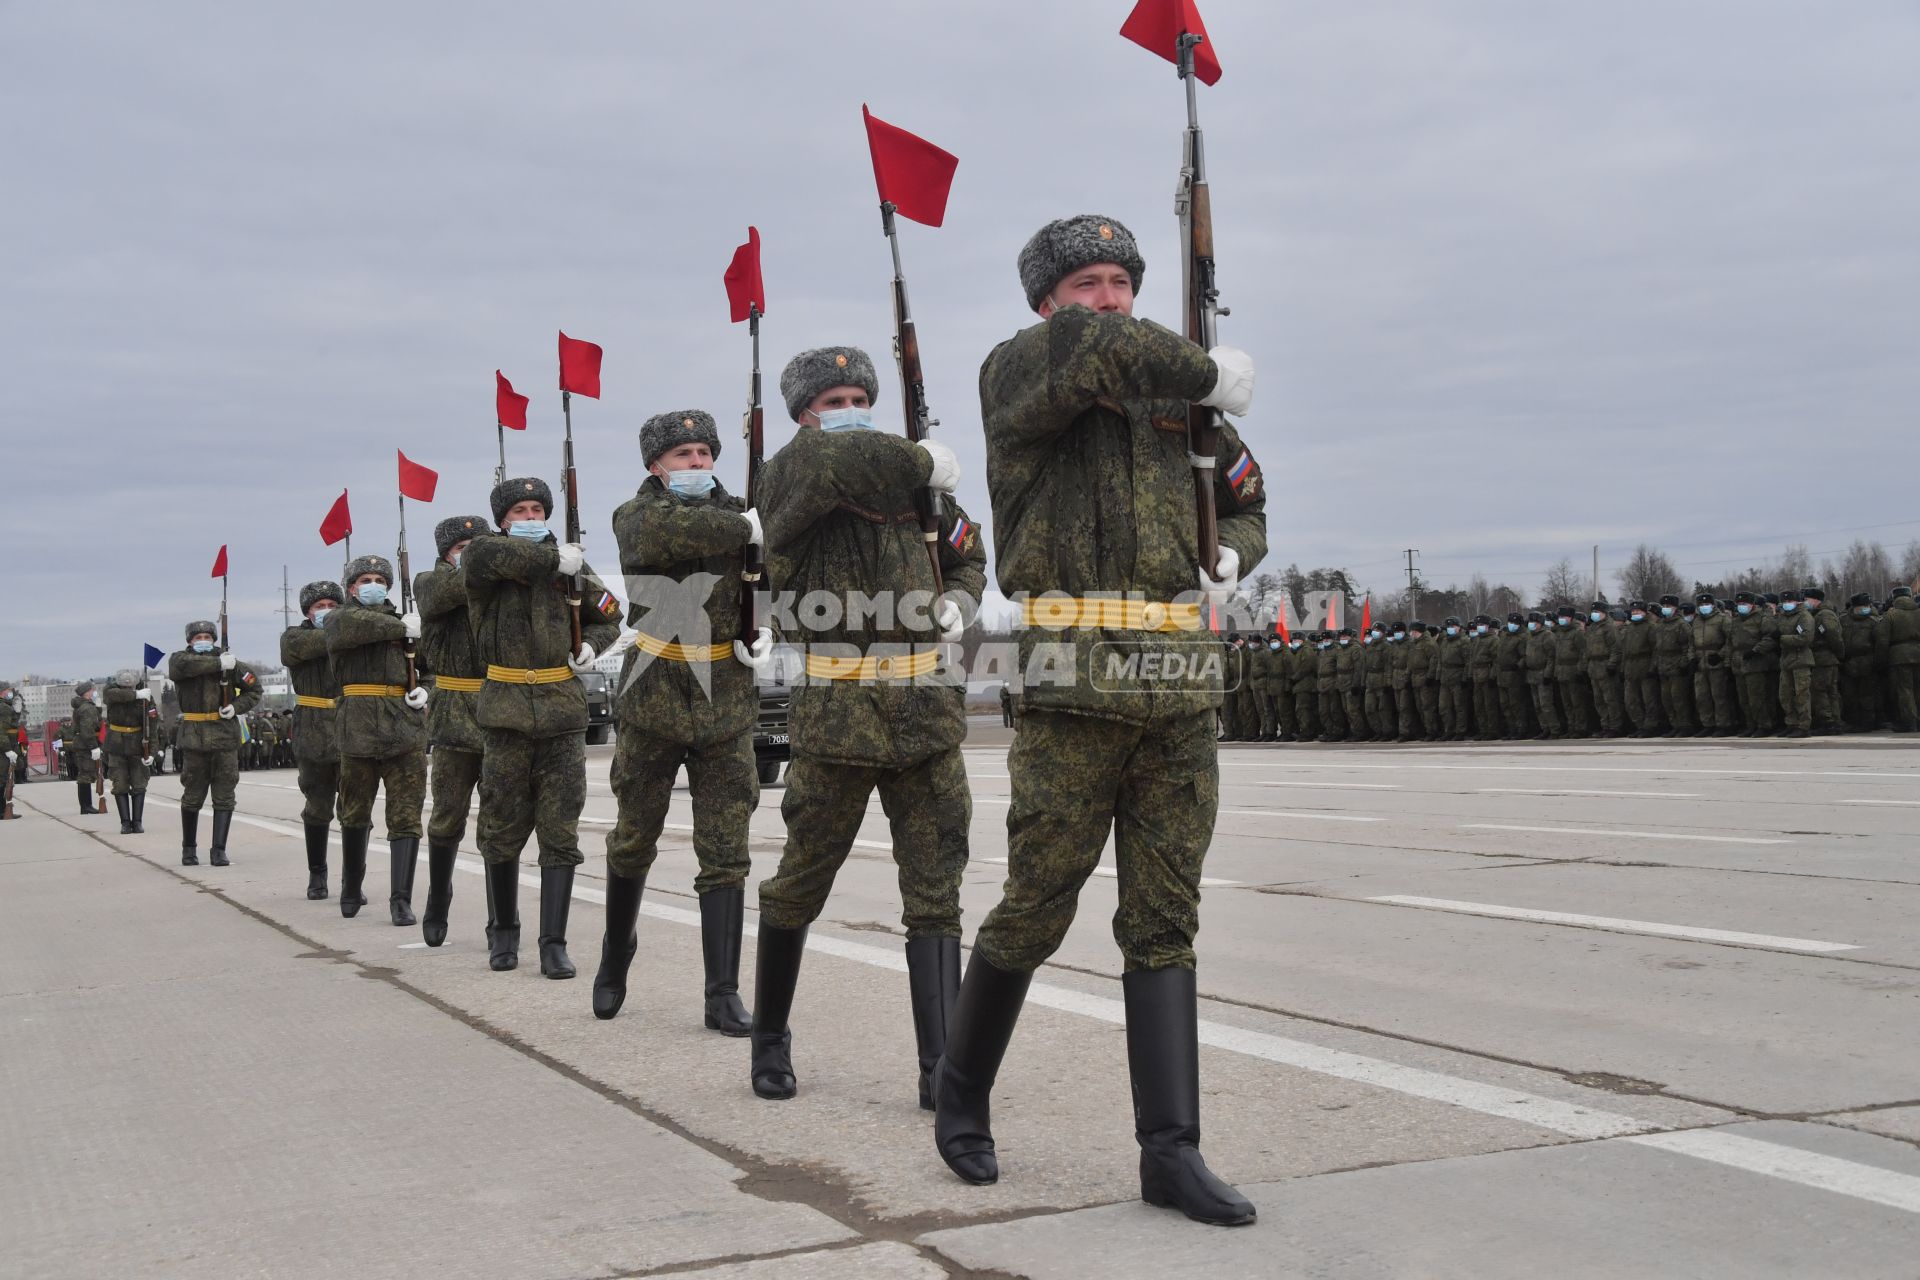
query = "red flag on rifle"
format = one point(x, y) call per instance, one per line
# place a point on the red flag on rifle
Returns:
point(1280, 622)
point(746, 292)
point(220, 563)
point(1366, 613)
point(912, 173)
point(509, 407)
point(416, 482)
point(1157, 25)
point(339, 521)
point(579, 367)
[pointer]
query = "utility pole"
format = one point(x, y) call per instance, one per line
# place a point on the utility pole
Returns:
point(1413, 585)
point(286, 608)
point(1596, 571)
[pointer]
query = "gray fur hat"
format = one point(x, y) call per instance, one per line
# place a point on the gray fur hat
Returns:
point(458, 529)
point(811, 372)
point(203, 624)
point(664, 431)
point(369, 564)
point(321, 590)
point(1068, 244)
point(519, 489)
point(126, 677)
point(83, 688)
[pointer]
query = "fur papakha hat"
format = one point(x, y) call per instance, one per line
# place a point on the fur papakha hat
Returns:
point(320, 590)
point(370, 564)
point(664, 431)
point(458, 529)
point(823, 368)
point(519, 489)
point(1064, 246)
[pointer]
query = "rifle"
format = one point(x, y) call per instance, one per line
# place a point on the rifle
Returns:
point(913, 396)
point(13, 744)
point(226, 685)
point(100, 765)
point(578, 586)
point(406, 595)
point(1193, 206)
point(754, 429)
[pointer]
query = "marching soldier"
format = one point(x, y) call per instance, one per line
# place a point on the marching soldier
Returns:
point(303, 652)
point(533, 777)
point(1605, 651)
point(447, 649)
point(874, 711)
point(214, 689)
point(83, 742)
point(1865, 637)
point(687, 697)
point(126, 764)
point(1092, 495)
point(382, 731)
point(1541, 656)
point(1712, 637)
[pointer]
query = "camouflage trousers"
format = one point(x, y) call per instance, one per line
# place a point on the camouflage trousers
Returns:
point(1826, 695)
point(1426, 700)
point(1306, 714)
point(1406, 713)
point(320, 784)
point(405, 777)
point(1860, 695)
point(1516, 707)
point(1486, 708)
point(724, 786)
point(1284, 721)
point(1269, 717)
point(1676, 702)
point(1900, 696)
point(1454, 707)
point(127, 774)
point(455, 775)
point(1353, 705)
point(1379, 701)
point(1641, 693)
point(201, 769)
point(1576, 704)
point(928, 808)
point(1757, 690)
point(1713, 698)
point(1333, 714)
point(1608, 703)
point(1796, 698)
point(528, 786)
point(1074, 777)
point(1546, 708)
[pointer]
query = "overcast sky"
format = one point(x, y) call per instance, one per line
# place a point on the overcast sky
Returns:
point(1518, 277)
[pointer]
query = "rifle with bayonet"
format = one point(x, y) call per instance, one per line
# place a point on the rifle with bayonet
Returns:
point(913, 396)
point(1193, 204)
point(755, 429)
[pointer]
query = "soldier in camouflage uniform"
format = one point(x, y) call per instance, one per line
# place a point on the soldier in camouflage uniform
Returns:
point(533, 709)
point(1570, 673)
point(1902, 629)
point(1673, 664)
point(127, 701)
point(83, 743)
point(1377, 674)
point(1541, 653)
point(453, 729)
point(1406, 715)
point(1640, 684)
point(1270, 658)
point(213, 689)
point(1423, 679)
point(303, 652)
point(1829, 647)
point(1794, 631)
point(1450, 660)
point(876, 711)
point(686, 698)
point(1304, 664)
point(1604, 652)
point(1092, 494)
point(1516, 703)
point(10, 707)
point(1333, 711)
point(1754, 639)
point(1712, 635)
point(1864, 636)
point(382, 727)
point(1483, 669)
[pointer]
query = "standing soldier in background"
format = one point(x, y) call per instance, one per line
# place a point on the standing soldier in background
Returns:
point(686, 697)
point(1865, 638)
point(1753, 637)
point(1304, 664)
point(447, 649)
point(127, 701)
point(1540, 675)
point(1333, 714)
point(214, 689)
point(1483, 668)
point(1641, 684)
point(1349, 679)
point(160, 736)
point(1712, 636)
point(10, 703)
point(1423, 679)
point(1450, 661)
point(1673, 664)
point(1570, 673)
point(533, 777)
point(1516, 703)
point(1829, 646)
point(1605, 648)
point(1400, 682)
point(83, 743)
point(1286, 719)
point(303, 652)
point(1902, 625)
point(383, 734)
point(1233, 707)
point(1795, 635)
point(1377, 672)
point(1266, 666)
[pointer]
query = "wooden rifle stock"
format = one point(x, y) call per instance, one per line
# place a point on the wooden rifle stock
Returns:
point(577, 587)
point(1193, 205)
point(755, 430)
point(906, 349)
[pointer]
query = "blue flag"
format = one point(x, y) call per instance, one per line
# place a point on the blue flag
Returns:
point(153, 656)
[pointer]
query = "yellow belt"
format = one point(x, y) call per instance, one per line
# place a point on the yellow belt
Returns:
point(1058, 613)
point(528, 675)
point(681, 652)
point(905, 666)
point(200, 717)
point(459, 684)
point(127, 728)
point(320, 704)
point(373, 691)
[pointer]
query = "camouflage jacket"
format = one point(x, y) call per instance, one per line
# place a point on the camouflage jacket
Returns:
point(1902, 631)
point(1828, 646)
point(517, 606)
point(364, 647)
point(1305, 665)
point(1326, 667)
point(1541, 653)
point(447, 649)
point(1754, 641)
point(1451, 656)
point(682, 559)
point(1085, 418)
point(1636, 647)
point(1672, 646)
point(1793, 636)
point(1422, 661)
point(1377, 665)
point(125, 710)
point(303, 652)
point(196, 684)
point(1569, 653)
point(1347, 667)
point(1273, 663)
point(1400, 663)
point(1483, 658)
point(1512, 651)
point(86, 726)
point(1865, 640)
point(9, 726)
point(838, 512)
point(1606, 647)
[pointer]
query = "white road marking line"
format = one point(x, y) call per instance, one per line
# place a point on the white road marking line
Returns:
point(1335, 786)
point(1581, 791)
point(1909, 802)
point(1826, 1173)
point(1245, 813)
point(1631, 835)
point(1345, 765)
point(1610, 922)
point(413, 946)
point(1206, 882)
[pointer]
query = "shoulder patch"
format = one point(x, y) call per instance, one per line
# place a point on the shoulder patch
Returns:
point(1244, 478)
point(608, 606)
point(965, 536)
point(247, 678)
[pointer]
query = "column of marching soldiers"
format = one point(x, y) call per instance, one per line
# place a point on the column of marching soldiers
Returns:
point(1765, 664)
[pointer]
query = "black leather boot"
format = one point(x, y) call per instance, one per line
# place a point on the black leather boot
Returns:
point(1163, 1057)
point(353, 868)
point(222, 823)
point(433, 920)
point(721, 912)
point(556, 899)
point(86, 797)
point(189, 835)
point(316, 861)
point(618, 943)
point(125, 805)
point(776, 971)
point(977, 1034)
point(503, 915)
point(403, 855)
point(139, 804)
point(933, 981)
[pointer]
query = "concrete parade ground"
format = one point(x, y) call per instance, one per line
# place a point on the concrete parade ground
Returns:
point(1569, 1009)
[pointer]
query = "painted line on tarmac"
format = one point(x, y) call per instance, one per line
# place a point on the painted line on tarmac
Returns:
point(1344, 765)
point(1611, 922)
point(1335, 786)
point(1581, 791)
point(1206, 882)
point(1790, 1164)
point(1243, 813)
point(1902, 802)
point(1634, 835)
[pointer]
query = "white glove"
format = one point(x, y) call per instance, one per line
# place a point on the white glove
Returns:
point(752, 516)
point(582, 660)
point(96, 753)
point(758, 655)
point(416, 698)
point(146, 762)
point(1220, 591)
point(228, 662)
point(572, 556)
point(947, 618)
point(226, 712)
point(946, 467)
point(1233, 388)
point(98, 699)
point(144, 695)
point(12, 758)
point(411, 621)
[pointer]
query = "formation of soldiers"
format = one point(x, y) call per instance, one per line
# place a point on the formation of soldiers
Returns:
point(1762, 665)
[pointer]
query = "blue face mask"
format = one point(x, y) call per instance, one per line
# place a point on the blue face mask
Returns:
point(371, 593)
point(1706, 611)
point(203, 646)
point(1667, 611)
point(454, 559)
point(846, 420)
point(1453, 631)
point(1533, 626)
point(1513, 628)
point(1864, 613)
point(1596, 617)
point(531, 530)
point(1639, 617)
point(320, 617)
point(1743, 609)
point(1788, 606)
point(691, 484)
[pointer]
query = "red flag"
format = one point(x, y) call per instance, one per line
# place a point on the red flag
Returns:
point(579, 367)
point(1280, 622)
point(220, 563)
point(1366, 612)
point(416, 482)
point(1334, 604)
point(745, 290)
point(1157, 25)
point(911, 172)
point(509, 406)
point(339, 521)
